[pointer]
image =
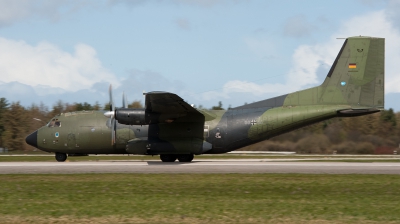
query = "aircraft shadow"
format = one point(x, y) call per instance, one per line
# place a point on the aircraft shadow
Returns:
point(160, 163)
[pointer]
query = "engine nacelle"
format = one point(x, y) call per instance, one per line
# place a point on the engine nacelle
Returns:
point(130, 116)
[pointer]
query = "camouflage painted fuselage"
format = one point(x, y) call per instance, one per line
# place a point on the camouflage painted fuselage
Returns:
point(354, 86)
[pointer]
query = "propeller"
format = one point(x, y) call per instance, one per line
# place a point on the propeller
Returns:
point(111, 114)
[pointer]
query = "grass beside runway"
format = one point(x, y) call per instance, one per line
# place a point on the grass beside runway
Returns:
point(199, 198)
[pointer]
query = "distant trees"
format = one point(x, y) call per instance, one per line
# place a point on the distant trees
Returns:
point(83, 106)
point(219, 107)
point(16, 125)
point(3, 109)
point(136, 104)
point(389, 116)
point(106, 106)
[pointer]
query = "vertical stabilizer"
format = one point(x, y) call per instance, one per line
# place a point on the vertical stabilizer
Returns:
point(356, 78)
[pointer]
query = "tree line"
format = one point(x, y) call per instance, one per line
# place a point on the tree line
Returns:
point(377, 133)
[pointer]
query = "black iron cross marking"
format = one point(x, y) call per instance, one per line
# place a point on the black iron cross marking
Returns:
point(253, 122)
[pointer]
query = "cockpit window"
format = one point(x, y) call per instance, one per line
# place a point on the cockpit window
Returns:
point(54, 123)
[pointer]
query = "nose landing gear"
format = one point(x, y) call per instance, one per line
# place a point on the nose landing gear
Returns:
point(61, 157)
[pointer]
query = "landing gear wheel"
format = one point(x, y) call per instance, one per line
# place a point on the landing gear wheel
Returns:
point(186, 158)
point(61, 157)
point(168, 158)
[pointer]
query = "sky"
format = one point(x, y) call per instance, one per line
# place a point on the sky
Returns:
point(237, 51)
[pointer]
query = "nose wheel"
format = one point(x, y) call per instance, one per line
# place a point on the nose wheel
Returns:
point(61, 157)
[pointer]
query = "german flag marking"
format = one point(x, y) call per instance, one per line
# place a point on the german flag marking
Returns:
point(352, 65)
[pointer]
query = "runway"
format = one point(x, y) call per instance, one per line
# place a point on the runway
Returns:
point(200, 166)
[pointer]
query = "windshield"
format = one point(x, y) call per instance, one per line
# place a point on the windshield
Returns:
point(54, 123)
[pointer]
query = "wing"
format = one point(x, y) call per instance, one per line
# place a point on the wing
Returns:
point(173, 106)
point(175, 126)
point(169, 105)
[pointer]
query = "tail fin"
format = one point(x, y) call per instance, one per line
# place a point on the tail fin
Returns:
point(356, 77)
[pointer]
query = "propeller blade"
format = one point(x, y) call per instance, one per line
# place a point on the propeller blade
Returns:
point(111, 112)
point(112, 106)
point(113, 130)
point(124, 100)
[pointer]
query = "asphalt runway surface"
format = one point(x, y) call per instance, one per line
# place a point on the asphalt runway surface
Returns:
point(200, 166)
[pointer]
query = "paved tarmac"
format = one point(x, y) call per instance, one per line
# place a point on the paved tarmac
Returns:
point(200, 166)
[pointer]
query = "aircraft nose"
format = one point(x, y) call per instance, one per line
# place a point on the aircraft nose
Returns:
point(32, 139)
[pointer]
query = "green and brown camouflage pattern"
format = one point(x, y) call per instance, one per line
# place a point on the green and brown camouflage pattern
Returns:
point(354, 86)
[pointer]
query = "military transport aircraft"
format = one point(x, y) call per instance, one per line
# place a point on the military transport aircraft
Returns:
point(173, 129)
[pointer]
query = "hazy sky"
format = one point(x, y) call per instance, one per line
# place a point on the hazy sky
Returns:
point(203, 50)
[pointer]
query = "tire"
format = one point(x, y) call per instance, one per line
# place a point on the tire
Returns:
point(168, 158)
point(186, 158)
point(61, 157)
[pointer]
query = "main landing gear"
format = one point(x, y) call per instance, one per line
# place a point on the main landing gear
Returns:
point(183, 158)
point(61, 157)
